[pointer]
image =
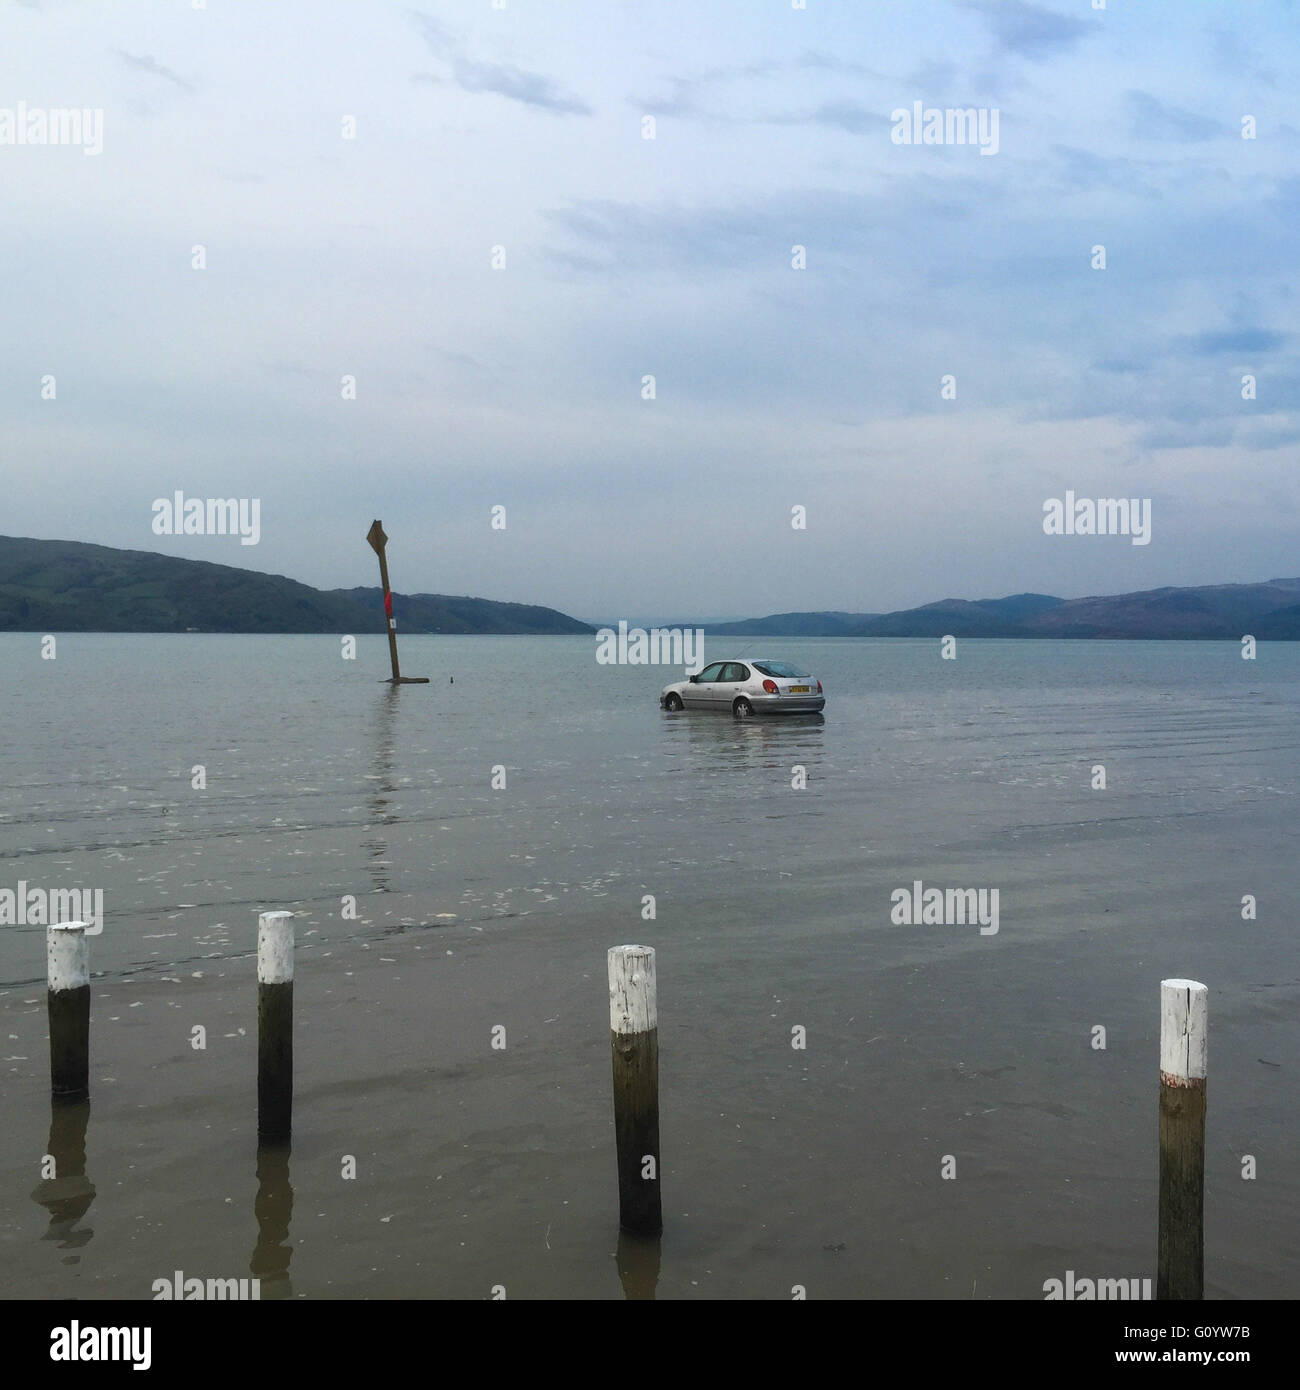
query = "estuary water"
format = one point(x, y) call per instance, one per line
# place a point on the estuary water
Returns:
point(851, 1105)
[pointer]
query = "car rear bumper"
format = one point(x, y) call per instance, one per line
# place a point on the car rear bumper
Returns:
point(787, 704)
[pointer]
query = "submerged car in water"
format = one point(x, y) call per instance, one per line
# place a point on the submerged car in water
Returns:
point(747, 687)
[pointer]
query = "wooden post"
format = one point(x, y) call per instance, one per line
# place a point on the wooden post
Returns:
point(67, 957)
point(1184, 1034)
point(378, 543)
point(274, 1027)
point(634, 1036)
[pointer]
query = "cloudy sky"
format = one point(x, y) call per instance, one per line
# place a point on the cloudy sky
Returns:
point(522, 127)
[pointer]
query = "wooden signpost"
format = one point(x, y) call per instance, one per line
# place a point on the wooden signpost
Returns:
point(378, 541)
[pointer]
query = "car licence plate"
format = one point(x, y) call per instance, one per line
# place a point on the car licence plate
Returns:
point(800, 689)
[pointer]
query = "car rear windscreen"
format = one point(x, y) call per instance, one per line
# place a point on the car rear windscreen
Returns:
point(777, 668)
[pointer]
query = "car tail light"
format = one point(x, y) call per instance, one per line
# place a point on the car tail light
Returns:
point(819, 687)
point(770, 687)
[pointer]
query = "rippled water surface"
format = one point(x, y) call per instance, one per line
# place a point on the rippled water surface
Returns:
point(783, 1166)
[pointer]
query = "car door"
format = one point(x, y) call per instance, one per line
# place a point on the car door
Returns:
point(729, 683)
point(701, 691)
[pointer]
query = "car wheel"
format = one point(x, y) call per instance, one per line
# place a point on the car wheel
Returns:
point(742, 709)
point(673, 702)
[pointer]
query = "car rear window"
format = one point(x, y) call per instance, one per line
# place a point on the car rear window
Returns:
point(778, 668)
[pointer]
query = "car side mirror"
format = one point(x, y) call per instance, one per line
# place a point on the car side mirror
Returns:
point(694, 680)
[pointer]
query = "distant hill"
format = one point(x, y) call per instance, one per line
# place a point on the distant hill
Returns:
point(794, 625)
point(1269, 611)
point(68, 586)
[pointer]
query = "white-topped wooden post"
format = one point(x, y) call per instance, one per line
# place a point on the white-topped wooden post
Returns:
point(1184, 1046)
point(634, 1038)
point(274, 1027)
point(67, 963)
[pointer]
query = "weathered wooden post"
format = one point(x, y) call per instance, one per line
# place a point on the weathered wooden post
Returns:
point(1184, 1035)
point(274, 1027)
point(634, 1036)
point(67, 960)
point(378, 543)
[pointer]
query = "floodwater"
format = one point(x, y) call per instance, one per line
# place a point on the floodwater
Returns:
point(438, 913)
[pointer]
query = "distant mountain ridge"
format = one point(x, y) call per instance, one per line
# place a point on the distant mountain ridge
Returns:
point(70, 586)
point(1269, 611)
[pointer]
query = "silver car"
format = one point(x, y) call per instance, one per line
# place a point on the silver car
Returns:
point(747, 687)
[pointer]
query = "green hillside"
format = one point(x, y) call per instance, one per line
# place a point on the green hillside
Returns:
point(68, 586)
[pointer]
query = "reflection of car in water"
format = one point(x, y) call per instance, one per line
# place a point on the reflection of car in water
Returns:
point(747, 687)
point(716, 758)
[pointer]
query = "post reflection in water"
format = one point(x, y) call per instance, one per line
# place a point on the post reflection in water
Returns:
point(383, 787)
point(638, 1266)
point(273, 1208)
point(65, 1191)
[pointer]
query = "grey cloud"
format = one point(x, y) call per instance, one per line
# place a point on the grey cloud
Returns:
point(1153, 119)
point(683, 98)
point(1030, 30)
point(671, 237)
point(575, 260)
point(1232, 55)
point(1213, 434)
point(939, 75)
point(502, 79)
point(434, 34)
point(1284, 200)
point(1260, 438)
point(756, 232)
point(142, 62)
point(1247, 340)
point(297, 369)
point(846, 115)
point(1086, 171)
point(531, 88)
point(459, 359)
point(686, 95)
point(841, 115)
point(1119, 365)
